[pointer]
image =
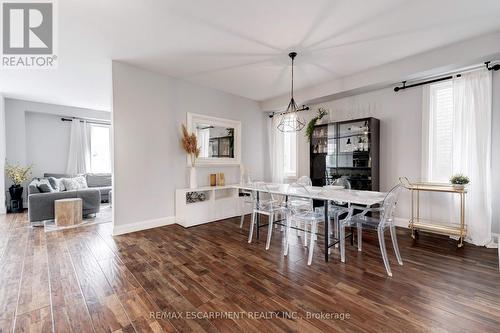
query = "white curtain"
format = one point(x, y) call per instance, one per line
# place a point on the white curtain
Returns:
point(276, 150)
point(79, 148)
point(472, 111)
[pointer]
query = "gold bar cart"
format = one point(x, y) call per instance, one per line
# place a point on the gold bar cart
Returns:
point(417, 223)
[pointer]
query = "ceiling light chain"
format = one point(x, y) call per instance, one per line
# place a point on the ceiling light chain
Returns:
point(290, 121)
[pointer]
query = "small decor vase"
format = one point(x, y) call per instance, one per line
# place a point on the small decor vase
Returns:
point(213, 179)
point(221, 179)
point(193, 182)
point(16, 192)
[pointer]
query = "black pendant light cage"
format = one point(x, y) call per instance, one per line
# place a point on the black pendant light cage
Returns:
point(290, 121)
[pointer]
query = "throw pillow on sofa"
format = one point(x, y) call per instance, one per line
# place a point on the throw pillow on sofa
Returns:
point(44, 186)
point(75, 183)
point(57, 184)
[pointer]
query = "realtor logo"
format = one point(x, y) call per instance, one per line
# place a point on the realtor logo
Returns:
point(28, 34)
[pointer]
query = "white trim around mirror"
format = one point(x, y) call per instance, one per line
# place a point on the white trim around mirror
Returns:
point(193, 118)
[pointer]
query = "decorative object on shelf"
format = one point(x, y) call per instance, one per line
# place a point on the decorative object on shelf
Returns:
point(18, 175)
point(193, 179)
point(213, 179)
point(348, 145)
point(290, 120)
point(221, 179)
point(190, 146)
point(365, 128)
point(361, 146)
point(192, 197)
point(310, 126)
point(459, 181)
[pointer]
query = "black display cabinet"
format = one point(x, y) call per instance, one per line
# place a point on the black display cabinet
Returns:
point(346, 149)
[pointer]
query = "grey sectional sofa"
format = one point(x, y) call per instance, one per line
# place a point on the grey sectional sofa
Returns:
point(41, 205)
point(98, 181)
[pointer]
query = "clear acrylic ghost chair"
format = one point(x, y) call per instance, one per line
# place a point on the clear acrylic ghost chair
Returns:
point(304, 180)
point(337, 208)
point(268, 204)
point(301, 203)
point(308, 217)
point(383, 222)
point(248, 197)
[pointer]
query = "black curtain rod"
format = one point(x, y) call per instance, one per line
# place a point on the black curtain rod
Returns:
point(88, 121)
point(404, 86)
point(303, 108)
point(495, 67)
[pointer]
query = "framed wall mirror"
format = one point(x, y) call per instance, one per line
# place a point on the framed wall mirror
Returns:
point(219, 139)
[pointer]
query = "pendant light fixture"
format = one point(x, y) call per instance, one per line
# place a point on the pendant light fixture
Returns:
point(290, 120)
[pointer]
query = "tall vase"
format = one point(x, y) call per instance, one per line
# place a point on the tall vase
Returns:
point(16, 192)
point(193, 181)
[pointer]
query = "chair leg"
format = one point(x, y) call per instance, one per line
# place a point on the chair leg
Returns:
point(311, 244)
point(360, 236)
point(252, 224)
point(342, 242)
point(336, 228)
point(241, 221)
point(383, 250)
point(304, 233)
point(395, 244)
point(287, 235)
point(269, 231)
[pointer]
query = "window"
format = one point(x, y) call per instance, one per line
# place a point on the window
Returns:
point(440, 136)
point(290, 154)
point(100, 152)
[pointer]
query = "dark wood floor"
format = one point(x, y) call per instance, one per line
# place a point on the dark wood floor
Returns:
point(84, 280)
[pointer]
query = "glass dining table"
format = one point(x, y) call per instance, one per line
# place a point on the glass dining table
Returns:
point(325, 194)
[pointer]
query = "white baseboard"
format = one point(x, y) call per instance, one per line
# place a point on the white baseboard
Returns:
point(401, 222)
point(142, 225)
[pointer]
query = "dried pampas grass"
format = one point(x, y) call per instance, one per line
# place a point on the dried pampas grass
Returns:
point(190, 144)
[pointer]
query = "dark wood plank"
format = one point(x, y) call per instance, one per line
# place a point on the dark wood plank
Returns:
point(39, 320)
point(11, 268)
point(34, 290)
point(135, 282)
point(68, 305)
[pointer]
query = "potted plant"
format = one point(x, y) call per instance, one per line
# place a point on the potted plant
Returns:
point(310, 126)
point(18, 175)
point(190, 145)
point(459, 181)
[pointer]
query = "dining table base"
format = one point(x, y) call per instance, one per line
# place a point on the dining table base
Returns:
point(328, 244)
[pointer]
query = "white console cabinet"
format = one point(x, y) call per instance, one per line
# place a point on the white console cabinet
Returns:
point(220, 202)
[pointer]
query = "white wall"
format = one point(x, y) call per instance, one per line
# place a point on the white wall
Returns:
point(47, 143)
point(149, 164)
point(2, 154)
point(36, 135)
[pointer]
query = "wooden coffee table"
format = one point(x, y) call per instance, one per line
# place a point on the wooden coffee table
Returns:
point(68, 212)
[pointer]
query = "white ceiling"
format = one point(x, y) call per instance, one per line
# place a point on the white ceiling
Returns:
point(240, 46)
